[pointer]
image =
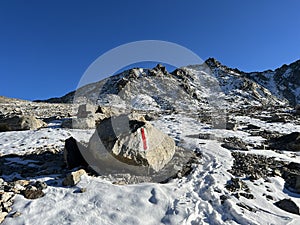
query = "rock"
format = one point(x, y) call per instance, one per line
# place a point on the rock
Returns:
point(87, 117)
point(277, 119)
point(6, 196)
point(245, 206)
point(288, 205)
point(17, 123)
point(234, 143)
point(79, 123)
point(6, 206)
point(33, 194)
point(289, 142)
point(15, 214)
point(252, 127)
point(253, 166)
point(247, 195)
point(22, 183)
point(86, 110)
point(132, 141)
point(297, 110)
point(72, 154)
point(223, 198)
point(291, 175)
point(268, 197)
point(73, 178)
point(2, 216)
point(82, 190)
point(66, 123)
point(236, 184)
point(231, 126)
point(110, 111)
point(40, 185)
point(51, 119)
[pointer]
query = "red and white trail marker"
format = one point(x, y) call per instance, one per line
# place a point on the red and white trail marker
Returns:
point(144, 139)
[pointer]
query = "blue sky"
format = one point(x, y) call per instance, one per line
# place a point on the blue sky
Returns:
point(45, 46)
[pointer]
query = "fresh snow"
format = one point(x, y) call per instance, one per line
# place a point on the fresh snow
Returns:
point(191, 200)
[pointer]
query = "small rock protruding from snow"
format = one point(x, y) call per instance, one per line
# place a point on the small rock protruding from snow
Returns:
point(73, 178)
point(288, 205)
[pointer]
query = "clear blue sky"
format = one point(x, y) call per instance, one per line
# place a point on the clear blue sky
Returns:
point(45, 46)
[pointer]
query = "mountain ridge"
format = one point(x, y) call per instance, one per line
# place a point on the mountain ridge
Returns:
point(282, 83)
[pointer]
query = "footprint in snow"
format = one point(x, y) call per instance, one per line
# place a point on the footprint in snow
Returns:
point(153, 198)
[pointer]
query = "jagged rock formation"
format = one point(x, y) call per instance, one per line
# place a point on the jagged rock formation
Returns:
point(239, 87)
point(153, 87)
point(284, 82)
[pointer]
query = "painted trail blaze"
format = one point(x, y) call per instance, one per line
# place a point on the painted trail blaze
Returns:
point(143, 133)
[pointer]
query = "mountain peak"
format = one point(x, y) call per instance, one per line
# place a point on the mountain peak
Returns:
point(212, 62)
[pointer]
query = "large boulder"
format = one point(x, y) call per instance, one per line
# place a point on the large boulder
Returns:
point(17, 123)
point(129, 143)
point(289, 142)
point(72, 154)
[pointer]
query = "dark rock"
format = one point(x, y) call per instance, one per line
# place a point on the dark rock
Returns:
point(252, 127)
point(236, 184)
point(51, 118)
point(289, 142)
point(245, 206)
point(40, 185)
point(247, 195)
point(291, 175)
point(161, 68)
point(297, 110)
point(268, 197)
point(33, 194)
point(72, 153)
point(231, 126)
point(223, 198)
point(234, 143)
point(288, 205)
point(277, 119)
point(254, 166)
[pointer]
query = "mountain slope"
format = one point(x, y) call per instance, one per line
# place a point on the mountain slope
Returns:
point(192, 85)
point(283, 82)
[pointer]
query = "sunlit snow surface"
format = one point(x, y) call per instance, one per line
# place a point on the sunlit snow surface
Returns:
point(191, 200)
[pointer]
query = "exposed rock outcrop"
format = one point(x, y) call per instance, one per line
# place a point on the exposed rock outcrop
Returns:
point(289, 142)
point(17, 123)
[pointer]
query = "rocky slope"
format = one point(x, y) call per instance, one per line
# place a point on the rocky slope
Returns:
point(244, 172)
point(199, 82)
point(284, 82)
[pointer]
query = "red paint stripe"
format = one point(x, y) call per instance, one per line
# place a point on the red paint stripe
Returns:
point(144, 138)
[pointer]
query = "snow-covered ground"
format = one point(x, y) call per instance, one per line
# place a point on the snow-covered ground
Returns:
point(194, 199)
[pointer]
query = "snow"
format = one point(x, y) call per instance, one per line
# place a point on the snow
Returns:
point(144, 102)
point(191, 200)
